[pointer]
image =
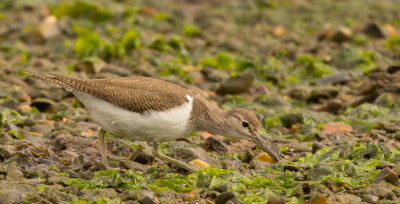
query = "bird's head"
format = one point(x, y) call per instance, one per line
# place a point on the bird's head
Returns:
point(245, 125)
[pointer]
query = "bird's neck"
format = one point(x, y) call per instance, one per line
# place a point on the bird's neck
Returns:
point(208, 117)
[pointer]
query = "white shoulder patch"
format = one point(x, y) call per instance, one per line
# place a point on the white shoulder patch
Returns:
point(189, 98)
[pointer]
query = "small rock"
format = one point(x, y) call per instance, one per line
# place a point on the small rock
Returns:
point(136, 194)
point(42, 128)
point(264, 157)
point(199, 164)
point(321, 136)
point(384, 164)
point(92, 193)
point(338, 77)
point(11, 104)
point(43, 105)
point(393, 69)
point(260, 165)
point(236, 85)
point(39, 171)
point(316, 146)
point(13, 193)
point(290, 119)
point(368, 198)
point(189, 197)
point(298, 93)
point(24, 97)
point(192, 153)
point(14, 174)
point(291, 168)
point(232, 164)
point(387, 175)
point(48, 29)
point(222, 188)
point(344, 198)
point(396, 169)
point(146, 200)
point(276, 200)
point(336, 127)
point(319, 94)
point(214, 75)
point(379, 189)
point(143, 156)
point(166, 194)
point(228, 197)
point(213, 144)
point(374, 30)
point(332, 106)
point(117, 70)
point(343, 34)
point(55, 179)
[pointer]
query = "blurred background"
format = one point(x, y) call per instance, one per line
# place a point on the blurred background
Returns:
point(319, 74)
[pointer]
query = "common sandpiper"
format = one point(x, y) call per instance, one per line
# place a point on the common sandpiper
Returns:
point(153, 110)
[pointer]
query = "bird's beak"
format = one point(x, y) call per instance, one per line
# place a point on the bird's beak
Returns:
point(264, 146)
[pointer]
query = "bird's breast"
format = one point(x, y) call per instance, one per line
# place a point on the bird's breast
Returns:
point(150, 126)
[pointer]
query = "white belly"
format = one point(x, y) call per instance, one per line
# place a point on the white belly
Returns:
point(149, 126)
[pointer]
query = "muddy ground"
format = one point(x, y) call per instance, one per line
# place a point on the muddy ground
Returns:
point(322, 76)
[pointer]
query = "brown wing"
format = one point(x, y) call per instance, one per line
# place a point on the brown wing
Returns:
point(139, 94)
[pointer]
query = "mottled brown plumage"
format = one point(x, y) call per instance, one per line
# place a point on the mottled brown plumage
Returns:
point(135, 93)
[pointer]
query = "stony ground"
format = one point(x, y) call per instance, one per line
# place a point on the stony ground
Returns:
point(322, 76)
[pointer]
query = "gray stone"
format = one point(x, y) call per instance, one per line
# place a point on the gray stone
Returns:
point(236, 85)
point(166, 194)
point(343, 34)
point(43, 105)
point(214, 75)
point(316, 146)
point(106, 193)
point(14, 174)
point(146, 200)
point(11, 192)
point(213, 144)
point(136, 194)
point(39, 171)
point(368, 198)
point(192, 153)
point(228, 197)
point(338, 77)
point(374, 30)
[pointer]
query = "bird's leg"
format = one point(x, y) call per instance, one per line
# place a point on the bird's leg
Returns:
point(178, 163)
point(103, 149)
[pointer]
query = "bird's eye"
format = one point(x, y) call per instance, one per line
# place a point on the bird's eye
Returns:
point(245, 123)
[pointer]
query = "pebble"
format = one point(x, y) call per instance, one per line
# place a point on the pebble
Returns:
point(199, 164)
point(368, 198)
point(213, 144)
point(14, 174)
point(146, 200)
point(166, 194)
point(136, 194)
point(338, 77)
point(228, 197)
point(236, 85)
point(374, 30)
point(387, 175)
point(343, 34)
point(316, 146)
point(214, 75)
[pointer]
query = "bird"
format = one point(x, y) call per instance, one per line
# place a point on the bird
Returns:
point(138, 108)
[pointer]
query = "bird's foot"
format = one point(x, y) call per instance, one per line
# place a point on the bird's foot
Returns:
point(178, 163)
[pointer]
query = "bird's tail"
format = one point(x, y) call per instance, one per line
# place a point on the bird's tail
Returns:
point(54, 79)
